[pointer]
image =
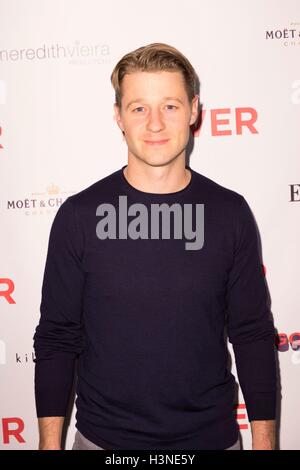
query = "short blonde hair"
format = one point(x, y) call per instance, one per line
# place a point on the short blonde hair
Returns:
point(153, 58)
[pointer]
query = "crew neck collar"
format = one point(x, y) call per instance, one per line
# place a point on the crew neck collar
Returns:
point(182, 191)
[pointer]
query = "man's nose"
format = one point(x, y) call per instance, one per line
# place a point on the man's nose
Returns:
point(155, 121)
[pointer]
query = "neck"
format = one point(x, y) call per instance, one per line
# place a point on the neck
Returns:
point(157, 179)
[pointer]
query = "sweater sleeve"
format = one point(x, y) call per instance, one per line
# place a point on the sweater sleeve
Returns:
point(58, 337)
point(250, 326)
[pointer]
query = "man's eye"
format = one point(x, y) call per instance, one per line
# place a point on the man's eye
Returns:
point(171, 106)
point(138, 108)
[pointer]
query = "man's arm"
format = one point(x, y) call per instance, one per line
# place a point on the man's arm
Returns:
point(58, 338)
point(50, 430)
point(251, 331)
point(263, 434)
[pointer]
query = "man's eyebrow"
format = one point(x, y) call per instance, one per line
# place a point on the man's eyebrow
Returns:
point(174, 99)
point(138, 100)
point(134, 101)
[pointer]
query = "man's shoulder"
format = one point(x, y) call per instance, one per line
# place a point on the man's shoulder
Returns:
point(215, 192)
point(102, 188)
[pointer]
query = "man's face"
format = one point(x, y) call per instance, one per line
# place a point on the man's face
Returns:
point(156, 115)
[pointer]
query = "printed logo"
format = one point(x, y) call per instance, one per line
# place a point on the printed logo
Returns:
point(12, 429)
point(27, 358)
point(295, 193)
point(7, 291)
point(285, 342)
point(285, 36)
point(40, 203)
point(224, 121)
point(1, 146)
point(138, 228)
point(76, 53)
point(241, 416)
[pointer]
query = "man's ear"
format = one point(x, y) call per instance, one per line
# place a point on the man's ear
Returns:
point(195, 109)
point(118, 117)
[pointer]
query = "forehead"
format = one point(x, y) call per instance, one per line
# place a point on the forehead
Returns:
point(149, 85)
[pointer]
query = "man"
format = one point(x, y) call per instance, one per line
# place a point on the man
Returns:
point(143, 309)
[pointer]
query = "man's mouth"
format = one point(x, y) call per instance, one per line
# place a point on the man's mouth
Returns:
point(156, 142)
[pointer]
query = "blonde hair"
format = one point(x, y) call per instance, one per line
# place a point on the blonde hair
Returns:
point(153, 58)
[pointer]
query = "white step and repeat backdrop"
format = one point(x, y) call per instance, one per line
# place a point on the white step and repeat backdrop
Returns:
point(58, 136)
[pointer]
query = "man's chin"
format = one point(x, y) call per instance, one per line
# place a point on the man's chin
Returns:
point(158, 160)
point(161, 162)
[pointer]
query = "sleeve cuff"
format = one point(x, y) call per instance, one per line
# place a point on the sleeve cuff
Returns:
point(53, 385)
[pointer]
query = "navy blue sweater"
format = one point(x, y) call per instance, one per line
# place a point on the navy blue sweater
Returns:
point(148, 321)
